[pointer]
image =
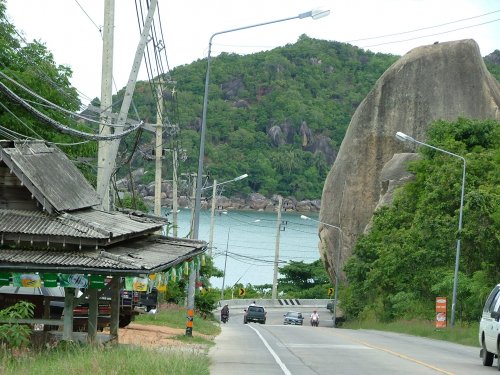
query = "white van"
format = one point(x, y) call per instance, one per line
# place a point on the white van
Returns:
point(489, 328)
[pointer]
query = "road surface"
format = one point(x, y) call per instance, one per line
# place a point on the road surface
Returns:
point(276, 349)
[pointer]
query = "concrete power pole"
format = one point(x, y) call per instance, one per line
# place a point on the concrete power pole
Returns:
point(212, 220)
point(174, 191)
point(277, 250)
point(191, 230)
point(108, 164)
point(106, 98)
point(158, 149)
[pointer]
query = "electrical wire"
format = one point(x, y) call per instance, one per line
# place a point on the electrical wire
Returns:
point(422, 28)
point(99, 28)
point(22, 122)
point(429, 35)
point(58, 126)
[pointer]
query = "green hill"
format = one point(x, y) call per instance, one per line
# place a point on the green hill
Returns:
point(279, 115)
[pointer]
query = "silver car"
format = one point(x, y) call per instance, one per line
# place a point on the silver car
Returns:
point(293, 317)
point(489, 328)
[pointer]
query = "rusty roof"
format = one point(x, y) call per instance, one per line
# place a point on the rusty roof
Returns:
point(139, 257)
point(49, 175)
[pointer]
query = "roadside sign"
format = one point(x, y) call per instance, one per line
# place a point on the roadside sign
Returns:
point(241, 292)
point(330, 291)
point(440, 312)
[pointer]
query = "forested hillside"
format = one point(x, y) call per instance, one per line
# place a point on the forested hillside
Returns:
point(279, 116)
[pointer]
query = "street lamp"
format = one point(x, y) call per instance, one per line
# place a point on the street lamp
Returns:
point(225, 260)
point(212, 213)
point(337, 270)
point(406, 138)
point(314, 14)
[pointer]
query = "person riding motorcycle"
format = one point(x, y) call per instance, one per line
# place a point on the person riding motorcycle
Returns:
point(314, 318)
point(224, 313)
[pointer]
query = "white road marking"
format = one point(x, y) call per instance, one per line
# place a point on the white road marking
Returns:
point(273, 353)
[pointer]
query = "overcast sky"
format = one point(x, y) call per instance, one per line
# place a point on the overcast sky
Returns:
point(70, 28)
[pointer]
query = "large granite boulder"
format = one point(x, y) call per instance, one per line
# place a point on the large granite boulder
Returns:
point(440, 81)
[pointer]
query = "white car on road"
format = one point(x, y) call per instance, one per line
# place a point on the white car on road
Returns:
point(489, 329)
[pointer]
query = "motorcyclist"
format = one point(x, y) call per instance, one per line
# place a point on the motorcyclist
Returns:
point(224, 313)
point(314, 317)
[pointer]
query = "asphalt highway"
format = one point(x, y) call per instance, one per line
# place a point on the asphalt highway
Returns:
point(277, 349)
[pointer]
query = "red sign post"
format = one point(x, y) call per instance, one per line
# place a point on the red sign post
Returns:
point(440, 312)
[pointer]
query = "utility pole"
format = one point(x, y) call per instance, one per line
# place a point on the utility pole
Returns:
point(108, 164)
point(106, 98)
point(174, 192)
point(158, 149)
point(193, 194)
point(212, 220)
point(277, 250)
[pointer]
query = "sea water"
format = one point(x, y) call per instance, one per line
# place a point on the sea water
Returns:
point(245, 242)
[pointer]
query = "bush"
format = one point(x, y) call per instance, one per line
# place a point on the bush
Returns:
point(16, 335)
point(206, 302)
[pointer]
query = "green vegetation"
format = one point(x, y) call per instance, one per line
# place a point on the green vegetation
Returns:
point(75, 359)
point(304, 280)
point(408, 258)
point(32, 65)
point(16, 335)
point(313, 84)
point(72, 358)
point(460, 334)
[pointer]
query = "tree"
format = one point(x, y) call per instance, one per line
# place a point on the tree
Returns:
point(304, 280)
point(408, 258)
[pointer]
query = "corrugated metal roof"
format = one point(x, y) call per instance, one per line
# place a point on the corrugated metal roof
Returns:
point(142, 256)
point(42, 223)
point(100, 226)
point(49, 175)
point(118, 223)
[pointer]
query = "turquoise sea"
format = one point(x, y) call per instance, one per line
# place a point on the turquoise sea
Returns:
point(249, 240)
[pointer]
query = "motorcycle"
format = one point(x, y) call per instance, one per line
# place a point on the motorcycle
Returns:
point(315, 321)
point(224, 318)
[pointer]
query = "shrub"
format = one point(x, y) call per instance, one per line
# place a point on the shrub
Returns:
point(16, 335)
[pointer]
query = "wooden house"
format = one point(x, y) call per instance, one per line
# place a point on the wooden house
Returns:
point(50, 224)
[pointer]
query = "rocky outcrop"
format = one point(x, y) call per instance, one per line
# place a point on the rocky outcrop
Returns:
point(393, 174)
point(440, 81)
point(254, 201)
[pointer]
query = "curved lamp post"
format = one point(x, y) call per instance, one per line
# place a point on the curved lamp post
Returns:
point(212, 213)
point(225, 259)
point(314, 14)
point(337, 270)
point(406, 138)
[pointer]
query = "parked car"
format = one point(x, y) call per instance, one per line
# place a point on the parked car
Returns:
point(293, 317)
point(255, 314)
point(489, 329)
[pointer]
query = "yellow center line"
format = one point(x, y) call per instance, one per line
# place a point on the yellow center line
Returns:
point(389, 351)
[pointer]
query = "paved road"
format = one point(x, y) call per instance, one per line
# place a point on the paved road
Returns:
point(275, 349)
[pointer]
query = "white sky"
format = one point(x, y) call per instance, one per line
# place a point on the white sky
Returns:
point(74, 38)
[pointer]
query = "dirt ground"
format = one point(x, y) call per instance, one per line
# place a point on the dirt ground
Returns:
point(154, 336)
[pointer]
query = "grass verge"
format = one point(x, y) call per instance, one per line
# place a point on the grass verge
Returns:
point(460, 334)
point(108, 360)
point(70, 358)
